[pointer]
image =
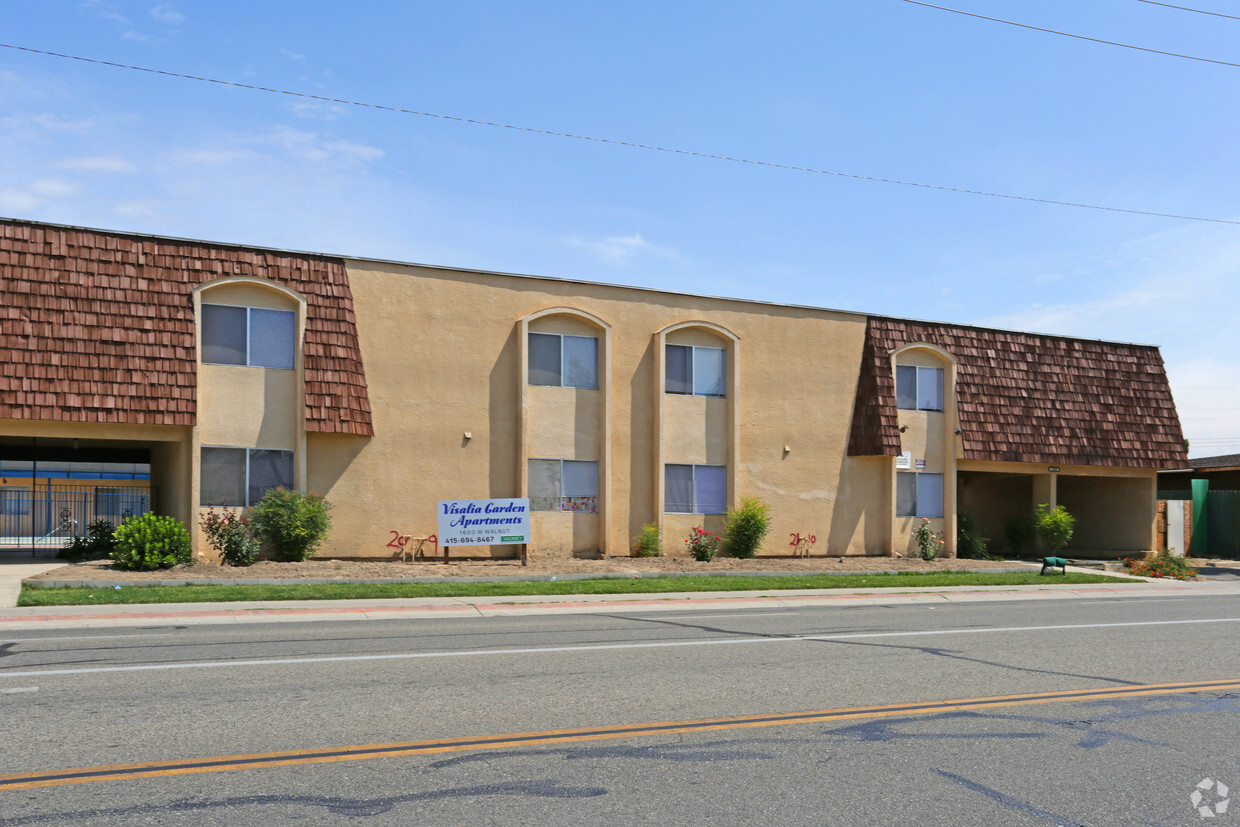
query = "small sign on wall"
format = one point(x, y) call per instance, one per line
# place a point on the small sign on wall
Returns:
point(484, 522)
point(905, 460)
point(920, 463)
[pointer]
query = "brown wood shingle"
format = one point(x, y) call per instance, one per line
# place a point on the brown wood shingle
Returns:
point(1024, 397)
point(99, 327)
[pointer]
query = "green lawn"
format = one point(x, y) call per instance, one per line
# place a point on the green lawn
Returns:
point(42, 596)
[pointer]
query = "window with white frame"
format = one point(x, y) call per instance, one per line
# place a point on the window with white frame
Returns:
point(250, 336)
point(563, 361)
point(919, 494)
point(919, 388)
point(564, 485)
point(696, 371)
point(695, 489)
point(241, 476)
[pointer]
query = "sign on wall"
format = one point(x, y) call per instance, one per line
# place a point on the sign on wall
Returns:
point(904, 460)
point(484, 522)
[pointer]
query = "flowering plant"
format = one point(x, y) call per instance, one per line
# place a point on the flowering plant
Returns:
point(1162, 564)
point(929, 542)
point(702, 544)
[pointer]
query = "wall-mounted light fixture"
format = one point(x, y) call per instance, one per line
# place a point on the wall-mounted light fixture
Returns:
point(959, 431)
point(903, 428)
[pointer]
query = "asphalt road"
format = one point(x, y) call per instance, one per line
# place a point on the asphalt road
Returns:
point(845, 718)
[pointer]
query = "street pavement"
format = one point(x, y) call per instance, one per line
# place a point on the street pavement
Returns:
point(1110, 707)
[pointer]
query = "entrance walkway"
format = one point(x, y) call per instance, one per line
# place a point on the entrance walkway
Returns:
point(14, 567)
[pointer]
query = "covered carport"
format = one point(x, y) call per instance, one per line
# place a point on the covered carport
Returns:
point(1115, 509)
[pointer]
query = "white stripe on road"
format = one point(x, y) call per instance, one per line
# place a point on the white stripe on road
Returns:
point(549, 650)
point(18, 689)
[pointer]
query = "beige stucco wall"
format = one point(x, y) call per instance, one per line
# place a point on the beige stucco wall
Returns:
point(442, 354)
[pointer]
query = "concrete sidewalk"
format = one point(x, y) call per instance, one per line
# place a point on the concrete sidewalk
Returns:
point(77, 617)
point(16, 567)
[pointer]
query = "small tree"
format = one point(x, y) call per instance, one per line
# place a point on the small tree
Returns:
point(292, 524)
point(151, 542)
point(929, 542)
point(744, 527)
point(1054, 526)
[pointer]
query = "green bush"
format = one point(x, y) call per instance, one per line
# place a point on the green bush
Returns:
point(151, 542)
point(969, 541)
point(649, 543)
point(292, 524)
point(702, 544)
point(1020, 532)
point(744, 527)
point(96, 544)
point(229, 534)
point(1053, 526)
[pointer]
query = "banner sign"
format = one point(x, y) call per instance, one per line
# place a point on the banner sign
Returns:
point(484, 522)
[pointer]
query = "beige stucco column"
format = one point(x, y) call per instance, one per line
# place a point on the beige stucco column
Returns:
point(1045, 489)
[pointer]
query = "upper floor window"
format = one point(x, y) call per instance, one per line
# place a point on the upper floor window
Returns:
point(696, 371)
point(563, 361)
point(253, 336)
point(918, 388)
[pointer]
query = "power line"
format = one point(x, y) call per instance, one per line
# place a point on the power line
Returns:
point(615, 142)
point(1077, 36)
point(1186, 8)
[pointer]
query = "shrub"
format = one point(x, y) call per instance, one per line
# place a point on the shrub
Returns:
point(969, 541)
point(744, 528)
point(151, 542)
point(96, 544)
point(702, 544)
point(649, 543)
point(292, 524)
point(929, 542)
point(1020, 533)
point(1162, 564)
point(229, 534)
point(1053, 526)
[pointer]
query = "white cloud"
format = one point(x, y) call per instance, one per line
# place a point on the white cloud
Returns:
point(102, 163)
point(43, 121)
point(35, 195)
point(105, 10)
point(357, 152)
point(319, 110)
point(165, 13)
point(209, 157)
point(292, 55)
point(623, 249)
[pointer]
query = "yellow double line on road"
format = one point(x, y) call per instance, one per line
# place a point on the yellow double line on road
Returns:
point(156, 769)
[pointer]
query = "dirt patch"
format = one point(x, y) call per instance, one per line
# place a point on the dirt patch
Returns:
point(350, 569)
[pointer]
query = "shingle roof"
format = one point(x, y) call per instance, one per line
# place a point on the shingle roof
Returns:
point(99, 326)
point(1222, 461)
point(1024, 397)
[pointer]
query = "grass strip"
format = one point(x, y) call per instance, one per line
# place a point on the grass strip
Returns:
point(33, 595)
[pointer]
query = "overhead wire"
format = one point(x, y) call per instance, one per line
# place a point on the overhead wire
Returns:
point(1186, 8)
point(616, 142)
point(1076, 36)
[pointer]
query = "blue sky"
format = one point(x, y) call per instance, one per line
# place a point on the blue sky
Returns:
point(877, 88)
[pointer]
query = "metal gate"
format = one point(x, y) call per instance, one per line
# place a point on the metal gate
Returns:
point(44, 517)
